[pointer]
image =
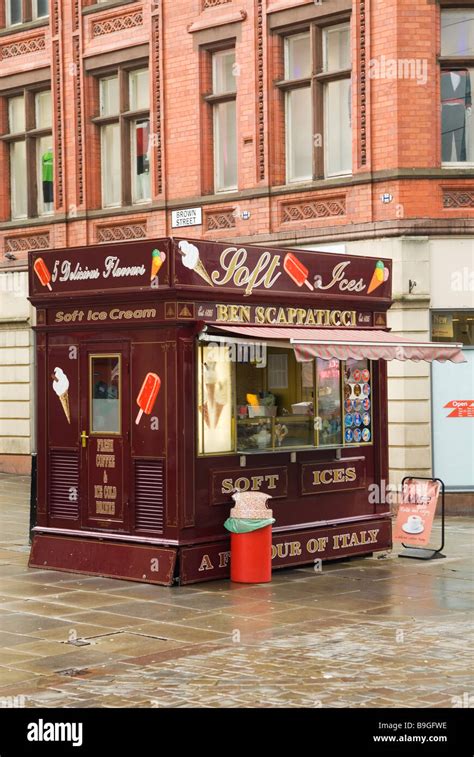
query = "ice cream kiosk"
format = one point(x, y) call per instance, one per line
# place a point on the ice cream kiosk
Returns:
point(172, 373)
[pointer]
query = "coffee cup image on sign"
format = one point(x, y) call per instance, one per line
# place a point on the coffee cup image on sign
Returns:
point(414, 525)
point(61, 387)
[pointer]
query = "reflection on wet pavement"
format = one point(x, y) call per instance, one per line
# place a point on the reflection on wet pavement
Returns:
point(371, 632)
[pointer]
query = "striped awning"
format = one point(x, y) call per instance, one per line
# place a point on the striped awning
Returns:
point(347, 343)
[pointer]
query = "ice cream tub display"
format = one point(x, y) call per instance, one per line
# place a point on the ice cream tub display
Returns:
point(175, 373)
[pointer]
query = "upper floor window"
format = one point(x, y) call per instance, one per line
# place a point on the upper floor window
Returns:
point(31, 154)
point(317, 92)
point(457, 85)
point(20, 11)
point(40, 8)
point(124, 121)
point(223, 102)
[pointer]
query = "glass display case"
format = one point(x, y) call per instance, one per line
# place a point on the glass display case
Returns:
point(279, 404)
point(294, 431)
point(271, 434)
point(254, 434)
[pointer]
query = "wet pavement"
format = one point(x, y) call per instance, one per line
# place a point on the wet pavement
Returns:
point(369, 632)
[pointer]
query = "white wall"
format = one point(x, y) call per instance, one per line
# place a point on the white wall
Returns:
point(16, 366)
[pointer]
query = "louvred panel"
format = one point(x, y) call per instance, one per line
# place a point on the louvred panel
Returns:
point(149, 495)
point(64, 484)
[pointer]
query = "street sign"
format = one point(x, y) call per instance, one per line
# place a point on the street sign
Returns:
point(186, 217)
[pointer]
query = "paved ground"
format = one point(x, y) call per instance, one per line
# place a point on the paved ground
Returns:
point(363, 633)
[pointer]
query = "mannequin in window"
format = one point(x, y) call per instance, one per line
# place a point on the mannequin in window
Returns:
point(47, 179)
point(143, 160)
point(455, 109)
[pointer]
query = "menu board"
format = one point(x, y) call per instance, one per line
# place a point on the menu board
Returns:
point(357, 402)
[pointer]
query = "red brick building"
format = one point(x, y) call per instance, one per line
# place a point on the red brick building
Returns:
point(340, 123)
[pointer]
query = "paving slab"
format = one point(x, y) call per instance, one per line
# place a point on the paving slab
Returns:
point(369, 632)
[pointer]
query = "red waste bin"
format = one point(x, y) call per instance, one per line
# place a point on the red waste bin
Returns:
point(251, 556)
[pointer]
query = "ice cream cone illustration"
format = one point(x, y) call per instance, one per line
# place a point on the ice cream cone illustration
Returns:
point(205, 414)
point(221, 402)
point(42, 272)
point(157, 260)
point(210, 379)
point(61, 387)
point(147, 395)
point(190, 259)
point(380, 275)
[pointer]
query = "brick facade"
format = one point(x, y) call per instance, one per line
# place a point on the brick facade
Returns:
point(396, 125)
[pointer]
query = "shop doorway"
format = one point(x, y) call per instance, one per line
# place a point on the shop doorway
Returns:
point(105, 435)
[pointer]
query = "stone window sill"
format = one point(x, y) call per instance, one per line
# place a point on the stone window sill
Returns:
point(11, 31)
point(97, 7)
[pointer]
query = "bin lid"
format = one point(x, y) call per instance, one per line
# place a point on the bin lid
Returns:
point(250, 505)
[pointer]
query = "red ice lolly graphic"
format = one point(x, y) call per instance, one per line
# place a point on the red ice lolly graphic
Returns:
point(42, 272)
point(296, 270)
point(148, 394)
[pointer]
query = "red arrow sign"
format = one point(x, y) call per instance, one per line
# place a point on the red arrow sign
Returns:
point(460, 408)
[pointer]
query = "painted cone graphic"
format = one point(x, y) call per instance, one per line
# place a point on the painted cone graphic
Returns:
point(190, 259)
point(205, 414)
point(65, 403)
point(219, 409)
point(377, 277)
point(61, 387)
point(157, 260)
point(221, 402)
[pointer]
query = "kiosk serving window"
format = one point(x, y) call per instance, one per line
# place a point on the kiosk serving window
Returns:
point(252, 400)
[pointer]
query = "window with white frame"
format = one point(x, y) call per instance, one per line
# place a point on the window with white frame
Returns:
point(30, 141)
point(457, 85)
point(223, 103)
point(124, 121)
point(40, 8)
point(298, 108)
point(21, 11)
point(317, 101)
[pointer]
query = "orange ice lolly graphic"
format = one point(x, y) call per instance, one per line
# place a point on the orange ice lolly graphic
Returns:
point(42, 272)
point(147, 395)
point(296, 270)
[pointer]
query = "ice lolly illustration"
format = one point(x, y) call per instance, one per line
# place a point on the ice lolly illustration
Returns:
point(192, 260)
point(147, 395)
point(296, 270)
point(61, 387)
point(42, 272)
point(378, 277)
point(157, 260)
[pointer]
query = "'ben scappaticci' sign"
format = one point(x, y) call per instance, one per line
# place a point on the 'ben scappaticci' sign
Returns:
point(211, 561)
point(336, 475)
